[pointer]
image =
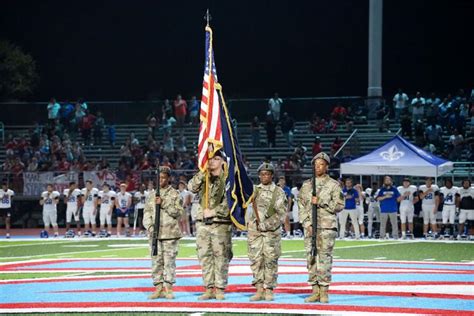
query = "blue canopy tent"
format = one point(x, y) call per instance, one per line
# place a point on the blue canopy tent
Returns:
point(398, 157)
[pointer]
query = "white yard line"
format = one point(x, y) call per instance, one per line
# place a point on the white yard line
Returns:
point(355, 246)
point(70, 253)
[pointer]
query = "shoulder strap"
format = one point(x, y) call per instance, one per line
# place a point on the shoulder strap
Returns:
point(271, 210)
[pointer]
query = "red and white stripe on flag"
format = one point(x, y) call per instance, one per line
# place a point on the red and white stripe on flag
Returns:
point(210, 115)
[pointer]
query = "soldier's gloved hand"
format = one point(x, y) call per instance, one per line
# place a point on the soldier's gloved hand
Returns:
point(151, 229)
point(314, 200)
point(262, 227)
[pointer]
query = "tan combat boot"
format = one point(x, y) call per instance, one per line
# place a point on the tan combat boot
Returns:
point(208, 295)
point(169, 292)
point(158, 292)
point(324, 294)
point(259, 296)
point(220, 294)
point(268, 294)
point(314, 297)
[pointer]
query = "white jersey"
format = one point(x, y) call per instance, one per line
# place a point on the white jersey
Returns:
point(106, 199)
point(184, 195)
point(141, 197)
point(71, 200)
point(123, 198)
point(48, 199)
point(295, 192)
point(407, 200)
point(369, 198)
point(429, 198)
point(6, 198)
point(89, 197)
point(467, 198)
point(449, 195)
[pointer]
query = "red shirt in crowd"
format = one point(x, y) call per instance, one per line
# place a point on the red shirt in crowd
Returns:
point(180, 108)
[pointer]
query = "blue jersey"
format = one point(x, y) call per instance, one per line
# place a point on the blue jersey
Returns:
point(389, 205)
point(350, 197)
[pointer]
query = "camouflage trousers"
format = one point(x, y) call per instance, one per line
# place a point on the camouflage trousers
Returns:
point(264, 249)
point(163, 266)
point(214, 250)
point(320, 269)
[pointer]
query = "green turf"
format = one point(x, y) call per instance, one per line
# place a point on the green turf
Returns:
point(27, 275)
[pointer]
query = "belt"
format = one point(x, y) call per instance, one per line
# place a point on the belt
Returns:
point(211, 220)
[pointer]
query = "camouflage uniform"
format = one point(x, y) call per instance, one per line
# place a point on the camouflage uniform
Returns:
point(264, 240)
point(164, 264)
point(330, 201)
point(213, 238)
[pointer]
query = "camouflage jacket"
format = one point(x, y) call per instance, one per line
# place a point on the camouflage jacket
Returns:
point(170, 212)
point(217, 197)
point(263, 199)
point(330, 201)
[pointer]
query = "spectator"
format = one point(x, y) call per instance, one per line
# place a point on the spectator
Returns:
point(274, 106)
point(336, 145)
point(331, 126)
point(456, 144)
point(180, 107)
point(99, 125)
point(434, 134)
point(339, 113)
point(194, 107)
point(420, 133)
point(443, 112)
point(86, 128)
point(317, 147)
point(317, 125)
point(406, 123)
point(111, 135)
point(53, 111)
point(168, 144)
point(287, 128)
point(79, 113)
point(418, 104)
point(167, 109)
point(432, 108)
point(134, 139)
point(270, 127)
point(32, 165)
point(66, 113)
point(382, 115)
point(400, 103)
point(255, 130)
point(152, 122)
point(181, 146)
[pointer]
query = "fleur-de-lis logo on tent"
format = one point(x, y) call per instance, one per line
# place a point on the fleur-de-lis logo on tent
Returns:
point(392, 154)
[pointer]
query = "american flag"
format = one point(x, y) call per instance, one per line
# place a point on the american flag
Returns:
point(210, 130)
point(216, 128)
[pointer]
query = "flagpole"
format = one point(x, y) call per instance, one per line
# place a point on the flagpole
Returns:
point(207, 17)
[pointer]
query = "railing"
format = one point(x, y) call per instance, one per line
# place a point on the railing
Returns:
point(135, 112)
point(345, 143)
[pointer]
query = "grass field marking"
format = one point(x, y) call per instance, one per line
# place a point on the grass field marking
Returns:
point(70, 253)
point(33, 244)
point(349, 247)
point(79, 277)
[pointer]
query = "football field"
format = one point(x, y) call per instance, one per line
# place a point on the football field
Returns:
point(113, 276)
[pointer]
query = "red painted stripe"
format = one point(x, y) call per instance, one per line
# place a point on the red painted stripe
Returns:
point(228, 305)
point(280, 289)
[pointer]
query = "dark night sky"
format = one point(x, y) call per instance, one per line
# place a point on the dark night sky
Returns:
point(131, 50)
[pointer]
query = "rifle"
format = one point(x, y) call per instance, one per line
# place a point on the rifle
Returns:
point(156, 230)
point(314, 221)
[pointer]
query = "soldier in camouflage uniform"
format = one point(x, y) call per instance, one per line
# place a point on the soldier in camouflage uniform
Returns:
point(164, 264)
point(213, 227)
point(330, 201)
point(264, 233)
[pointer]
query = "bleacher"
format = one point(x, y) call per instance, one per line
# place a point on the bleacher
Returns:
point(365, 139)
